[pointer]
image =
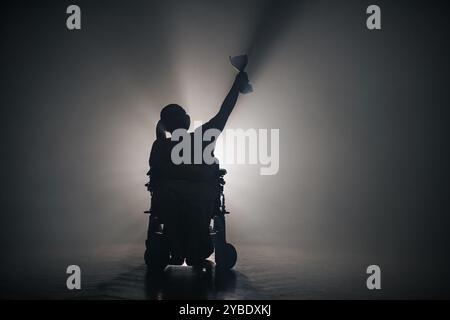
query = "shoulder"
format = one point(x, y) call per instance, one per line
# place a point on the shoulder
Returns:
point(159, 146)
point(160, 142)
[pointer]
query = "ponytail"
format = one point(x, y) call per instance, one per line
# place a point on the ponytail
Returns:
point(160, 130)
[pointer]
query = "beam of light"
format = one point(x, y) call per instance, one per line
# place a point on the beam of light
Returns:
point(193, 70)
point(274, 19)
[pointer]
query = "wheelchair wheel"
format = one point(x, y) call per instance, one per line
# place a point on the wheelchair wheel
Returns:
point(230, 257)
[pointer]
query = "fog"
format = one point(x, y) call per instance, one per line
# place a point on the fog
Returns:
point(362, 117)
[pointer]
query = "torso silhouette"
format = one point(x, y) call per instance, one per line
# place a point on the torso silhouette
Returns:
point(185, 196)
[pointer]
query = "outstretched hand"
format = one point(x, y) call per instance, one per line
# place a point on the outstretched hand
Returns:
point(242, 80)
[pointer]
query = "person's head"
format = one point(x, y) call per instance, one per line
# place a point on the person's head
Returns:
point(174, 117)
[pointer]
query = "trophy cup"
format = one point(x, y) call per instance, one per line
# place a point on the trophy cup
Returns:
point(240, 62)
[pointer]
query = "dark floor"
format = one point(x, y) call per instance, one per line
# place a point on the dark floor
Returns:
point(262, 272)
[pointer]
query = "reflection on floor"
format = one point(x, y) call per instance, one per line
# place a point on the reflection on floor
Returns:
point(262, 272)
point(175, 282)
point(178, 282)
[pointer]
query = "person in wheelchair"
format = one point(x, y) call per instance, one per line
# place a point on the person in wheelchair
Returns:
point(185, 197)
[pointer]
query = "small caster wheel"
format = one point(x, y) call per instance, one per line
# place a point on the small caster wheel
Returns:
point(230, 256)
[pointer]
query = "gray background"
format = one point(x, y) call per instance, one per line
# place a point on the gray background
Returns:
point(362, 117)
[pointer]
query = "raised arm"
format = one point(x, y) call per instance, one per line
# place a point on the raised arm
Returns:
point(220, 119)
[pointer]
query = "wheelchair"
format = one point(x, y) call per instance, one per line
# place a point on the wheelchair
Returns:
point(157, 254)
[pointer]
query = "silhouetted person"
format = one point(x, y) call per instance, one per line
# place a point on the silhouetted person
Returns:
point(185, 193)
